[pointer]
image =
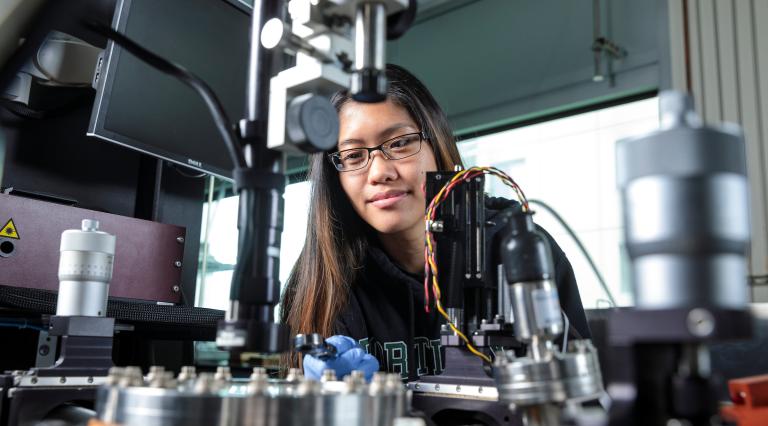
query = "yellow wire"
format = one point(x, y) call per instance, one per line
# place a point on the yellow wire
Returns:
point(436, 287)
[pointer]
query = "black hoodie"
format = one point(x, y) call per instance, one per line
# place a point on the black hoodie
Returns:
point(385, 312)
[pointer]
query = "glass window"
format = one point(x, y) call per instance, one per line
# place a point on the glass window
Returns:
point(218, 245)
point(570, 164)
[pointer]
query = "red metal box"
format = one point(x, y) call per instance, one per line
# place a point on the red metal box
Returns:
point(147, 257)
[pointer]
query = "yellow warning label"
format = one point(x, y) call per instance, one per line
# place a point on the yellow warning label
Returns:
point(9, 230)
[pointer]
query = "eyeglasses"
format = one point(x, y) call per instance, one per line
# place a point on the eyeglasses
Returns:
point(397, 148)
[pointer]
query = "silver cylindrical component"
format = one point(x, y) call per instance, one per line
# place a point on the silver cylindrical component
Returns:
point(267, 402)
point(536, 308)
point(85, 270)
point(574, 374)
point(686, 211)
point(368, 82)
point(370, 36)
point(188, 372)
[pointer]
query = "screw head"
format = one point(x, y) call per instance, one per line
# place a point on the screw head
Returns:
point(700, 322)
point(177, 264)
point(176, 289)
point(180, 240)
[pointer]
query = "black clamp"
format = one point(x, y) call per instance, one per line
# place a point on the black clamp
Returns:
point(248, 178)
point(314, 344)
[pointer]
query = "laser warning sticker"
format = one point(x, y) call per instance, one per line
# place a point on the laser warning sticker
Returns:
point(9, 230)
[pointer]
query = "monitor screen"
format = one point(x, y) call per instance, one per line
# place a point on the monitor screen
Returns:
point(141, 108)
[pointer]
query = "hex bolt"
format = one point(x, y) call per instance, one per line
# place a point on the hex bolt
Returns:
point(358, 374)
point(355, 380)
point(223, 373)
point(259, 372)
point(329, 375)
point(187, 372)
point(204, 383)
point(294, 375)
point(132, 376)
point(164, 380)
point(114, 376)
point(258, 380)
point(307, 387)
point(155, 371)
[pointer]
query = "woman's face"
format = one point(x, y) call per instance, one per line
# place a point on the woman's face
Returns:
point(387, 194)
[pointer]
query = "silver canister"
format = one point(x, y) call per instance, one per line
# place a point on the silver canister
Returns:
point(686, 211)
point(85, 270)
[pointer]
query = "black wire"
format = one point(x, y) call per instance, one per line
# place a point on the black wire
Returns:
point(209, 97)
point(583, 249)
point(246, 226)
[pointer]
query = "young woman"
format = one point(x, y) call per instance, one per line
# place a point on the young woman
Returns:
point(360, 273)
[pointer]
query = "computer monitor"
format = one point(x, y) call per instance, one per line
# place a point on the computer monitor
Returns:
point(141, 108)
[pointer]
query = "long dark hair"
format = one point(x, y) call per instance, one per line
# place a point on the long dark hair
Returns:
point(337, 238)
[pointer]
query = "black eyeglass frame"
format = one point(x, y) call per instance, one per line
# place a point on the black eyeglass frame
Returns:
point(380, 147)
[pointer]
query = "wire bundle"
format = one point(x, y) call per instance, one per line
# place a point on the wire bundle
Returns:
point(430, 264)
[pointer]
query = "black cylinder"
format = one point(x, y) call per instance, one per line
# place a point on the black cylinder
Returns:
point(525, 252)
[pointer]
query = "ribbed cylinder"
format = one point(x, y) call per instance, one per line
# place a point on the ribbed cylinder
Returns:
point(85, 270)
point(686, 211)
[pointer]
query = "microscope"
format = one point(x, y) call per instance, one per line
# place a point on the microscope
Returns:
point(498, 370)
point(289, 117)
point(338, 44)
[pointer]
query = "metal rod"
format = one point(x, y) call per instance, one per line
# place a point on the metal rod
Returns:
point(253, 106)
